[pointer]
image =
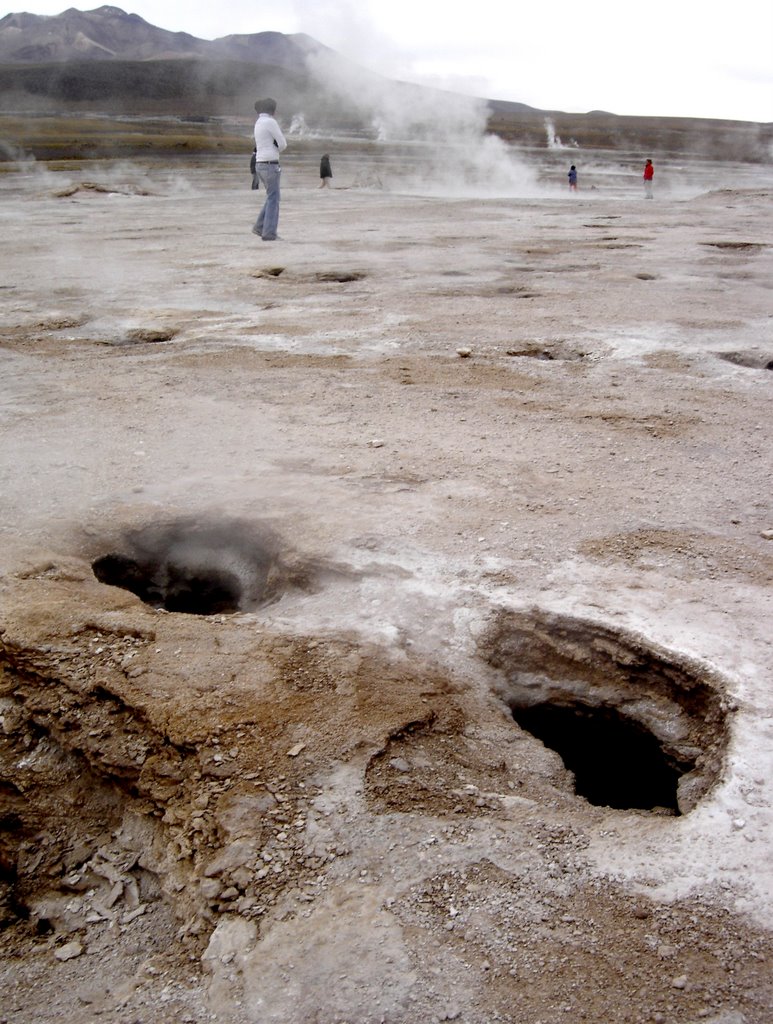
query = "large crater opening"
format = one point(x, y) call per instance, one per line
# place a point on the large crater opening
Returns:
point(637, 727)
point(196, 567)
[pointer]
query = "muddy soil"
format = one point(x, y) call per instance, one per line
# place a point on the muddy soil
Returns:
point(384, 611)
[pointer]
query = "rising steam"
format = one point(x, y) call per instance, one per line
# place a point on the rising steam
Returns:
point(437, 140)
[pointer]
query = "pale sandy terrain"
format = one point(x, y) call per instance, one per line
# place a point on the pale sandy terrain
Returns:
point(318, 807)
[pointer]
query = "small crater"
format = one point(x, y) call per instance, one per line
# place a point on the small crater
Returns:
point(531, 353)
point(198, 568)
point(754, 247)
point(750, 359)
point(151, 335)
point(143, 336)
point(555, 352)
point(517, 291)
point(340, 276)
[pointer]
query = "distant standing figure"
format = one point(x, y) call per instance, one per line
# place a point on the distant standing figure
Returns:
point(269, 143)
point(572, 178)
point(325, 172)
point(649, 174)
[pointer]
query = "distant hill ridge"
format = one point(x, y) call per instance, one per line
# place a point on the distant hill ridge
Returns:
point(108, 33)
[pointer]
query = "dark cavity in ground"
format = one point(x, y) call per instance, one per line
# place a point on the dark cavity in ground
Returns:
point(615, 761)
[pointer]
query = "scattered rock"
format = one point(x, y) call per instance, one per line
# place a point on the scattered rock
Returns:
point(94, 994)
point(69, 951)
point(210, 888)
point(233, 935)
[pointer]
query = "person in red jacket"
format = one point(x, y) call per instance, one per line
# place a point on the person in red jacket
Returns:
point(649, 174)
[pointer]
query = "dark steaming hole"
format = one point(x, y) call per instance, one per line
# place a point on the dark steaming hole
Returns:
point(175, 588)
point(203, 593)
point(198, 566)
point(616, 762)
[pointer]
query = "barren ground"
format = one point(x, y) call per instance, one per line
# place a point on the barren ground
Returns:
point(314, 804)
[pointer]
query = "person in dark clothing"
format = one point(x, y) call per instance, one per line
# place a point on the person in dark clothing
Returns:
point(573, 178)
point(325, 172)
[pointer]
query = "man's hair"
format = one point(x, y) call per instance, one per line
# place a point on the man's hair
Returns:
point(267, 106)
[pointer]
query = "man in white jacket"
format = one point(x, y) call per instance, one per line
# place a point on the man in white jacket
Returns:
point(269, 143)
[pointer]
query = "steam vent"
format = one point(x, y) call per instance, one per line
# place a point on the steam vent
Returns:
point(184, 566)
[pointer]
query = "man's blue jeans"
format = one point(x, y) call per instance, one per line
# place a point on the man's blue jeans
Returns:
point(268, 218)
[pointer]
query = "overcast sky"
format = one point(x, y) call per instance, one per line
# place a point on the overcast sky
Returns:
point(681, 58)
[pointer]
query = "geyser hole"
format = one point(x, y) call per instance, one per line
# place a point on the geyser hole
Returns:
point(639, 726)
point(175, 588)
point(198, 568)
point(616, 762)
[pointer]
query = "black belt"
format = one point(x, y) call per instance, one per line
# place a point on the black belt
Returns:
point(268, 161)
